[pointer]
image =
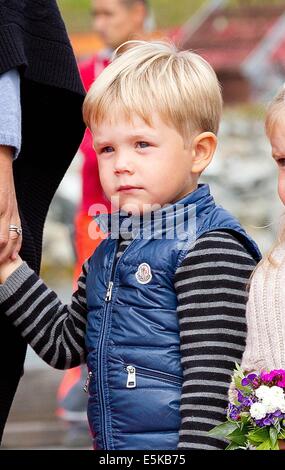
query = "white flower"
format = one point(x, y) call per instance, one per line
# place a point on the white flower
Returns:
point(262, 392)
point(277, 392)
point(282, 406)
point(279, 404)
point(258, 410)
point(271, 397)
point(270, 406)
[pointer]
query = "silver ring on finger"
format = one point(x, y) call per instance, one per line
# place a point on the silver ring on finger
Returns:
point(15, 228)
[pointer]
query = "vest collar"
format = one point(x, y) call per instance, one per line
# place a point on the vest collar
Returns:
point(172, 218)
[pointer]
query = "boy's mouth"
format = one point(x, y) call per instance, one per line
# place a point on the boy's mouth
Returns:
point(128, 188)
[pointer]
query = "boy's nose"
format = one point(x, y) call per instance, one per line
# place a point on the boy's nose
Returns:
point(123, 163)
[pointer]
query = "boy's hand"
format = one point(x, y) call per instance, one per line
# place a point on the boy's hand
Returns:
point(7, 268)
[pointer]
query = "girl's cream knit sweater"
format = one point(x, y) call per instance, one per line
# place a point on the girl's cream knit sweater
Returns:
point(265, 344)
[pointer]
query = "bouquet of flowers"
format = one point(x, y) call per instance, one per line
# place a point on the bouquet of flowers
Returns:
point(256, 411)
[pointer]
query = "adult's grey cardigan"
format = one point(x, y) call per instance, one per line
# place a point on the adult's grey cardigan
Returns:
point(33, 39)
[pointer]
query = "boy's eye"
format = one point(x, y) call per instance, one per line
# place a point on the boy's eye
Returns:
point(107, 149)
point(142, 144)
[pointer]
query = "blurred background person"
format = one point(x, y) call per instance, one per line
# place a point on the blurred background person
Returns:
point(114, 21)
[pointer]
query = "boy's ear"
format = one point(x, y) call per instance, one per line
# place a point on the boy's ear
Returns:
point(203, 148)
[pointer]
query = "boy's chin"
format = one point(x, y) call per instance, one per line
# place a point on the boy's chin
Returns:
point(132, 209)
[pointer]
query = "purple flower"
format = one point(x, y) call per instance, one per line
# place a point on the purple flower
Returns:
point(248, 401)
point(251, 377)
point(248, 379)
point(234, 412)
point(245, 401)
point(269, 419)
point(240, 397)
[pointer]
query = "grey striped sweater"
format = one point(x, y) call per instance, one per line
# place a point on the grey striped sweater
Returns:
point(211, 291)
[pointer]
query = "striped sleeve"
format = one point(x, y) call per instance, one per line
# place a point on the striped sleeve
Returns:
point(54, 330)
point(211, 286)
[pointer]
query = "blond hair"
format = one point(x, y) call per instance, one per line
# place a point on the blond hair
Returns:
point(273, 111)
point(147, 77)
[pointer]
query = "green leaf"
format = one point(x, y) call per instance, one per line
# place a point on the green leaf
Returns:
point(237, 377)
point(277, 426)
point(238, 437)
point(245, 417)
point(281, 435)
point(238, 370)
point(233, 446)
point(222, 430)
point(245, 389)
point(266, 445)
point(245, 422)
point(273, 437)
point(258, 435)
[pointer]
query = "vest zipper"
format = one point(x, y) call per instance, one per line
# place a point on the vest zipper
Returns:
point(134, 371)
point(87, 383)
point(100, 369)
point(101, 343)
point(109, 292)
point(131, 381)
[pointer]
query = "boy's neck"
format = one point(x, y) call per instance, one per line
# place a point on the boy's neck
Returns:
point(114, 222)
point(184, 195)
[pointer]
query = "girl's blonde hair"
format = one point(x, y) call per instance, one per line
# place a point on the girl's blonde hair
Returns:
point(274, 110)
point(154, 77)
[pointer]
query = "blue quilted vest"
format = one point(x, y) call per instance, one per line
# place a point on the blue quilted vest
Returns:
point(132, 337)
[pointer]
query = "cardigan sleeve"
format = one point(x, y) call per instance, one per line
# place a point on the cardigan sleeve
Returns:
point(253, 360)
point(265, 344)
point(10, 111)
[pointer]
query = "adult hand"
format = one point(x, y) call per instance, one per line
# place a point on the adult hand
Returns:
point(10, 242)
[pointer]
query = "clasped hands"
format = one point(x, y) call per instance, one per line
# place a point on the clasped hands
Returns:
point(10, 223)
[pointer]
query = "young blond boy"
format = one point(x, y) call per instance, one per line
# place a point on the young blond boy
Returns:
point(160, 307)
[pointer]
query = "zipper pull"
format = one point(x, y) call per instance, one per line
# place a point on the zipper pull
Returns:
point(87, 383)
point(131, 381)
point(109, 292)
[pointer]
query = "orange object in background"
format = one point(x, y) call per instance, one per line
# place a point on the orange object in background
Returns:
point(71, 376)
point(85, 245)
point(72, 408)
point(87, 44)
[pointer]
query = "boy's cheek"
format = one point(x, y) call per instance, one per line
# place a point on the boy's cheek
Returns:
point(107, 182)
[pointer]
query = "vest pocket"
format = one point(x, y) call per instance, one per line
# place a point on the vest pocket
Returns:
point(133, 372)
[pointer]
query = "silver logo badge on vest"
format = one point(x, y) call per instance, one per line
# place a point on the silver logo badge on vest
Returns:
point(143, 274)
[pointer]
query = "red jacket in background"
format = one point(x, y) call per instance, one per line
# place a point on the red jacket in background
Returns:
point(92, 191)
